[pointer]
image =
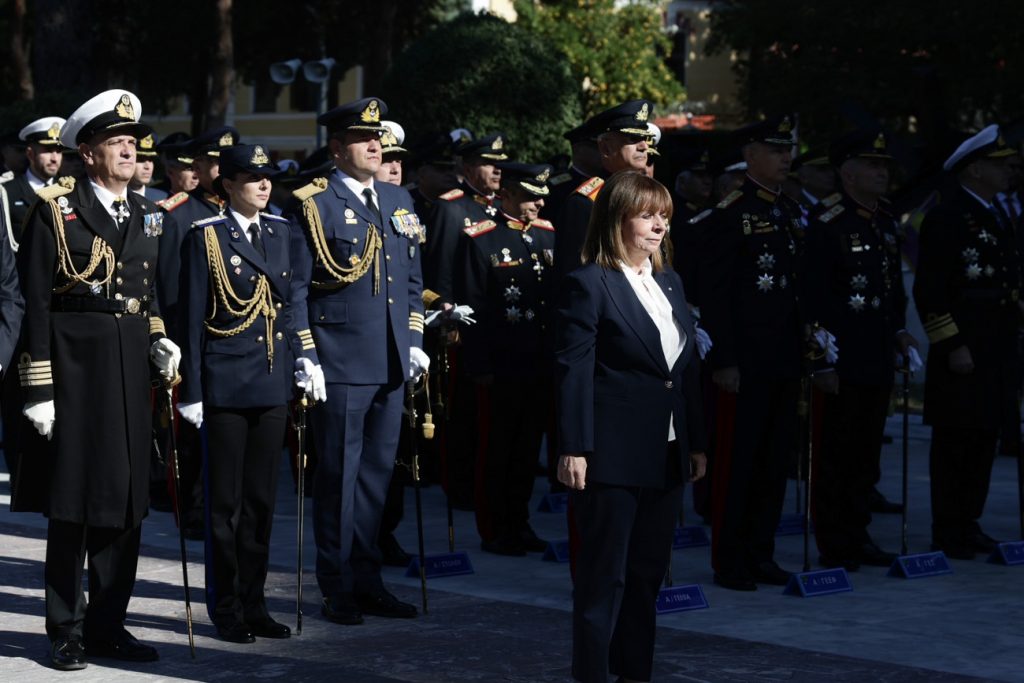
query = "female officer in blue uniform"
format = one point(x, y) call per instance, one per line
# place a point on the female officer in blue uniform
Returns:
point(239, 347)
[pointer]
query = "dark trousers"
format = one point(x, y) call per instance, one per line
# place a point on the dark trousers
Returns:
point(113, 556)
point(356, 435)
point(845, 467)
point(513, 414)
point(244, 449)
point(190, 469)
point(750, 477)
point(961, 466)
point(625, 544)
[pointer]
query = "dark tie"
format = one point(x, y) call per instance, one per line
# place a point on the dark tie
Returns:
point(121, 210)
point(257, 241)
point(372, 206)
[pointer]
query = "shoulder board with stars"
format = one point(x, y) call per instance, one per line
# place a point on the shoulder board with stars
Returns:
point(209, 221)
point(559, 179)
point(591, 188)
point(60, 188)
point(274, 217)
point(480, 228)
point(542, 224)
point(830, 215)
point(452, 195)
point(699, 217)
point(730, 199)
point(173, 202)
point(311, 189)
point(831, 199)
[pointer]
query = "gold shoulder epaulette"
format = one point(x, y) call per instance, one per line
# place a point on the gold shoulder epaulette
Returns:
point(559, 179)
point(311, 189)
point(480, 228)
point(430, 297)
point(542, 224)
point(830, 215)
point(591, 188)
point(209, 221)
point(452, 194)
point(831, 199)
point(730, 199)
point(60, 188)
point(173, 202)
point(699, 217)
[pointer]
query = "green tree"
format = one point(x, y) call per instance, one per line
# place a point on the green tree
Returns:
point(485, 74)
point(616, 53)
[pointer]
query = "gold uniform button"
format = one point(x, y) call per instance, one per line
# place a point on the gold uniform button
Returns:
point(119, 296)
point(259, 338)
point(119, 280)
point(390, 300)
point(278, 305)
point(145, 281)
point(145, 265)
point(390, 279)
point(120, 265)
point(668, 384)
point(323, 317)
point(278, 336)
point(387, 257)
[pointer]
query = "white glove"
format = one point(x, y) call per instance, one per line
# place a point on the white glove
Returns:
point(915, 360)
point(42, 415)
point(703, 340)
point(455, 313)
point(419, 362)
point(193, 412)
point(827, 342)
point(310, 378)
point(165, 355)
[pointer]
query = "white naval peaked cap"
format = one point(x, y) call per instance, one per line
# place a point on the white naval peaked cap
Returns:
point(989, 143)
point(396, 130)
point(655, 133)
point(113, 109)
point(45, 131)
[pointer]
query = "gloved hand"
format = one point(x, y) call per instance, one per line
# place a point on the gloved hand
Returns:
point(193, 412)
point(826, 341)
point(914, 358)
point(310, 378)
point(454, 313)
point(42, 415)
point(703, 340)
point(419, 362)
point(165, 355)
point(463, 314)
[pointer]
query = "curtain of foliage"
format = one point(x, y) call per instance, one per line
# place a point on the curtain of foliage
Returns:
point(616, 53)
point(482, 73)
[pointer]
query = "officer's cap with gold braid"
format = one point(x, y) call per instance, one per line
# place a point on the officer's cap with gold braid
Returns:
point(214, 140)
point(392, 139)
point(777, 130)
point(176, 148)
point(364, 114)
point(490, 147)
point(146, 148)
point(860, 144)
point(630, 118)
point(44, 131)
point(237, 159)
point(531, 177)
point(812, 157)
point(988, 144)
point(115, 111)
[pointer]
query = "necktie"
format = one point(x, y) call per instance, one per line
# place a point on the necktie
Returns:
point(372, 206)
point(257, 241)
point(121, 211)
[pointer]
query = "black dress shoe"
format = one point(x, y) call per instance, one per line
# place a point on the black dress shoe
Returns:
point(830, 562)
point(68, 654)
point(268, 628)
point(511, 547)
point(123, 646)
point(735, 583)
point(984, 543)
point(881, 505)
point(770, 573)
point(532, 543)
point(341, 610)
point(384, 604)
point(960, 550)
point(236, 632)
point(873, 556)
point(392, 554)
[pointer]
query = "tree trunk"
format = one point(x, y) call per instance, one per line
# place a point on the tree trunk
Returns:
point(223, 68)
point(19, 52)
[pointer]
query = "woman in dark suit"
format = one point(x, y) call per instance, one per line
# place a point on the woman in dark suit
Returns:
point(630, 423)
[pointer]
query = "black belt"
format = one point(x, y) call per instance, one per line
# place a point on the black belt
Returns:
point(95, 304)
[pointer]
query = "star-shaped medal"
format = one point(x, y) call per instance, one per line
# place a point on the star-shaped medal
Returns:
point(512, 314)
point(970, 254)
point(856, 302)
point(973, 271)
point(765, 282)
point(766, 261)
point(512, 293)
point(859, 281)
point(490, 210)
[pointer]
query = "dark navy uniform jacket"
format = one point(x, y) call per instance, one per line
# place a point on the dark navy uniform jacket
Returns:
point(615, 390)
point(237, 370)
point(186, 209)
point(12, 305)
point(359, 326)
point(453, 211)
point(572, 221)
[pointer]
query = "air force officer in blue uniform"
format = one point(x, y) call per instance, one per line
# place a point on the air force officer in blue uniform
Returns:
point(357, 278)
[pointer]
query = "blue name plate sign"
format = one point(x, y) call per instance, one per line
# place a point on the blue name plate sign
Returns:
point(791, 525)
point(681, 599)
point(445, 564)
point(557, 551)
point(554, 502)
point(689, 537)
point(920, 565)
point(1011, 553)
point(821, 582)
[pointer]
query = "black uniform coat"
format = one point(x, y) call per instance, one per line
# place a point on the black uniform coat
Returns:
point(686, 244)
point(97, 463)
point(235, 371)
point(966, 291)
point(20, 197)
point(451, 213)
point(572, 221)
point(615, 391)
point(186, 209)
point(854, 287)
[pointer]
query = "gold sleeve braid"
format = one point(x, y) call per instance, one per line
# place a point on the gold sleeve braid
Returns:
point(342, 275)
point(261, 302)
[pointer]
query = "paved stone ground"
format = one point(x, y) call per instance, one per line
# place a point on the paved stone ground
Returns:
point(509, 621)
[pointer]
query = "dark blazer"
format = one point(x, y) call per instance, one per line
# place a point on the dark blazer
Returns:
point(20, 197)
point(12, 305)
point(615, 391)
